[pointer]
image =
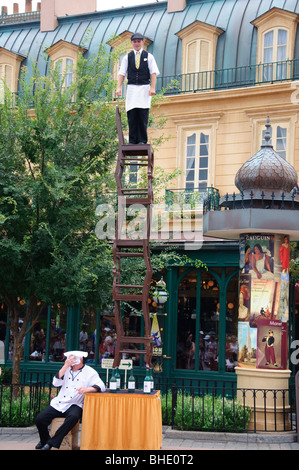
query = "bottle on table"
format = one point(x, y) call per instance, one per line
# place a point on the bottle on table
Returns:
point(117, 377)
point(131, 383)
point(113, 382)
point(152, 379)
point(147, 382)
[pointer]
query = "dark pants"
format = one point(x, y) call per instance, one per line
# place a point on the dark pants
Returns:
point(45, 417)
point(138, 121)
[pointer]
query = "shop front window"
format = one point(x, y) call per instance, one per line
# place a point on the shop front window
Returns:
point(209, 323)
point(203, 322)
point(48, 335)
point(232, 305)
point(186, 328)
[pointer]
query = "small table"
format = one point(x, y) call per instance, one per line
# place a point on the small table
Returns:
point(121, 421)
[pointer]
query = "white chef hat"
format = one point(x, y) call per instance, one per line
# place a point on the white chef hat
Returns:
point(76, 353)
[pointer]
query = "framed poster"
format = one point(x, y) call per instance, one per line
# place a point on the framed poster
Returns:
point(272, 345)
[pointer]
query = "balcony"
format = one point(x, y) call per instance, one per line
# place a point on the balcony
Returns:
point(193, 199)
point(246, 76)
point(19, 17)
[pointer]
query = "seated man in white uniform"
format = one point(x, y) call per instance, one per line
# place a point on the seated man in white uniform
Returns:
point(141, 69)
point(75, 379)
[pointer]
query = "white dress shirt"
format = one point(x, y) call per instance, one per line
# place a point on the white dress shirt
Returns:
point(138, 95)
point(70, 382)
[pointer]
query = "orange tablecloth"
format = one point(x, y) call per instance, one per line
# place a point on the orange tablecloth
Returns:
point(121, 421)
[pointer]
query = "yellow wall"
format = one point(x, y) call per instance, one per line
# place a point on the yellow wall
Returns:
point(234, 113)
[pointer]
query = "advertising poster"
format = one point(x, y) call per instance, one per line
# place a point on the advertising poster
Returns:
point(272, 345)
point(247, 342)
point(263, 298)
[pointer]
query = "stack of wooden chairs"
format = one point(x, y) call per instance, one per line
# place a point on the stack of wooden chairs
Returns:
point(138, 155)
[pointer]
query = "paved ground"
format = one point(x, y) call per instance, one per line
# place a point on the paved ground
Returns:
point(174, 441)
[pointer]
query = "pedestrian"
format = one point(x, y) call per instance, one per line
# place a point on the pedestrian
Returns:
point(141, 69)
point(75, 379)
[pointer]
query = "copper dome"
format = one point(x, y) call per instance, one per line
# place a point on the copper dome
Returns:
point(266, 170)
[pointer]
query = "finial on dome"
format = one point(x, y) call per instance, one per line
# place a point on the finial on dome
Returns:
point(267, 135)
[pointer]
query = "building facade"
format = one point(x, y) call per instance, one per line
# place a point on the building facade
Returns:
point(227, 65)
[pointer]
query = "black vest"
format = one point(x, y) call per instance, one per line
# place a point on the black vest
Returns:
point(139, 76)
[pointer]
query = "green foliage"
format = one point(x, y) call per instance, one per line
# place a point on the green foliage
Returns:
point(51, 162)
point(206, 413)
point(20, 411)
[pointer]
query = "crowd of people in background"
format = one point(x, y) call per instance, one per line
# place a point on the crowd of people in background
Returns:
point(208, 352)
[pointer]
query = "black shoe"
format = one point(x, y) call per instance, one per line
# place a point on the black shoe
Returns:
point(39, 445)
point(46, 447)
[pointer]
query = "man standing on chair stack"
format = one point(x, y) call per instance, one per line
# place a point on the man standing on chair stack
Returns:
point(141, 69)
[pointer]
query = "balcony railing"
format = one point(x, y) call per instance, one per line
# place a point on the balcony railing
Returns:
point(248, 75)
point(19, 17)
point(195, 199)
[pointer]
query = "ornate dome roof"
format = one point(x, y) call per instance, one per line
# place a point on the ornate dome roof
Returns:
point(266, 170)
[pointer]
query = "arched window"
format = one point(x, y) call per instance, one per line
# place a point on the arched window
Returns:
point(64, 56)
point(9, 71)
point(65, 68)
point(199, 42)
point(276, 34)
point(6, 74)
point(275, 54)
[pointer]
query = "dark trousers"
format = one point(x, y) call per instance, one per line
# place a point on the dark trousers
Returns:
point(45, 417)
point(138, 121)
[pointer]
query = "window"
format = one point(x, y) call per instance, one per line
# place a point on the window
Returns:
point(6, 72)
point(197, 65)
point(201, 311)
point(64, 56)
point(196, 148)
point(199, 42)
point(279, 139)
point(276, 33)
point(282, 131)
point(275, 54)
point(197, 161)
point(65, 68)
point(9, 71)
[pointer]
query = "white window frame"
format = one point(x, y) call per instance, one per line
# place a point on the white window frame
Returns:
point(196, 157)
point(67, 70)
point(5, 70)
point(279, 69)
point(208, 124)
point(284, 119)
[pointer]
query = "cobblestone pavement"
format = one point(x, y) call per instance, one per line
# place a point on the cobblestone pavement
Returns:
point(174, 441)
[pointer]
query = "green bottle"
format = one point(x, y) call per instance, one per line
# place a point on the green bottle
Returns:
point(117, 377)
point(113, 383)
point(152, 379)
point(131, 383)
point(147, 382)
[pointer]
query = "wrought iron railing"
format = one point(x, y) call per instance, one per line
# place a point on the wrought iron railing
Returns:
point(194, 199)
point(19, 17)
point(249, 200)
point(234, 77)
point(240, 410)
point(198, 406)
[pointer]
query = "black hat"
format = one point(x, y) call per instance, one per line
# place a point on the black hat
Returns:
point(136, 36)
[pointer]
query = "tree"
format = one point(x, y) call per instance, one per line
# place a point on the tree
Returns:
point(58, 146)
point(53, 161)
